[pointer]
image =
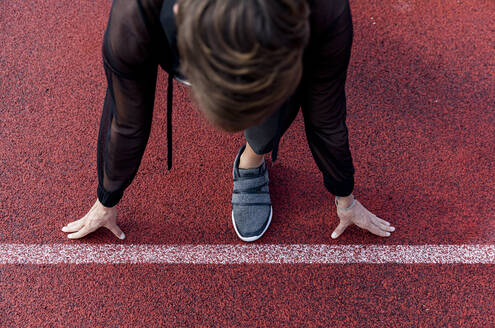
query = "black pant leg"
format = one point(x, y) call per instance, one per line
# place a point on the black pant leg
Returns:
point(262, 137)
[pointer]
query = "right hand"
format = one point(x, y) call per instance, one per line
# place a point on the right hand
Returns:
point(98, 216)
point(363, 218)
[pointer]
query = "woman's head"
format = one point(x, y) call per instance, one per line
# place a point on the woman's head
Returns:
point(243, 57)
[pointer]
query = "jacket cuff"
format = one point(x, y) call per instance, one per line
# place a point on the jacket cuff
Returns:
point(108, 199)
point(339, 188)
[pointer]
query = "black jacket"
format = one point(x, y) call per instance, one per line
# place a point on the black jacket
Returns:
point(141, 35)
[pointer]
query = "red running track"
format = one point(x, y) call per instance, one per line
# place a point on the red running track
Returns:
point(421, 99)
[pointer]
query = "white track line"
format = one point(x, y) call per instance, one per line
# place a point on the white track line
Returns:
point(245, 254)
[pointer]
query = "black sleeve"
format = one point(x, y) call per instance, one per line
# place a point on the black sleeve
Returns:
point(324, 100)
point(131, 54)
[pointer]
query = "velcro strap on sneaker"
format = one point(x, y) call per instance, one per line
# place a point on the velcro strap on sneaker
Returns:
point(244, 183)
point(251, 199)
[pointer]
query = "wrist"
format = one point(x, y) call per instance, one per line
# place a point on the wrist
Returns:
point(104, 208)
point(344, 202)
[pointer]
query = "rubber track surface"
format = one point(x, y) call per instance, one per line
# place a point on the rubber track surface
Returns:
point(421, 99)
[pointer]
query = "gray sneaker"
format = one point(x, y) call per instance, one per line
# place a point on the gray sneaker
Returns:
point(251, 207)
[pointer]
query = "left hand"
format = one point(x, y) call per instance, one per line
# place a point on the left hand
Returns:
point(98, 216)
point(363, 218)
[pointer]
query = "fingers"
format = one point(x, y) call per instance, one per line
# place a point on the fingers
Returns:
point(364, 219)
point(74, 226)
point(340, 229)
point(382, 221)
point(98, 216)
point(377, 231)
point(78, 224)
point(87, 229)
point(113, 227)
point(379, 223)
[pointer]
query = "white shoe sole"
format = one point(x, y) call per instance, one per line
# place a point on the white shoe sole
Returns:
point(253, 238)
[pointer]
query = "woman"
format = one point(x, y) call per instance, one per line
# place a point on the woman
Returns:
point(252, 65)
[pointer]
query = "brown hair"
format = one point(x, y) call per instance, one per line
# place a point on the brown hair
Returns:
point(243, 57)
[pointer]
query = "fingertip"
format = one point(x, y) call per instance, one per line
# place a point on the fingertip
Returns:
point(334, 235)
point(64, 229)
point(122, 236)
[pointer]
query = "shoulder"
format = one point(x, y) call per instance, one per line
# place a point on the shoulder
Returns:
point(324, 13)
